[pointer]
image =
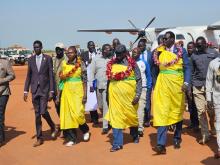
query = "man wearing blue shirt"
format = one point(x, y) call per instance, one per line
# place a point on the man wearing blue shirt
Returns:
point(146, 85)
point(146, 56)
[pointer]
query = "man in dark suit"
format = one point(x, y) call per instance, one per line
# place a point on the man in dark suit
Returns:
point(40, 78)
point(87, 57)
point(6, 75)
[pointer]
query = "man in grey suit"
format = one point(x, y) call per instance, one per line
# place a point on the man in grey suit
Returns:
point(6, 75)
point(40, 78)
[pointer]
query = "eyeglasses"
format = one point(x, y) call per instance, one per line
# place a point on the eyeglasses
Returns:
point(165, 39)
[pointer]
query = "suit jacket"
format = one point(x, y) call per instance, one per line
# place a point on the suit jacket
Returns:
point(43, 78)
point(6, 75)
point(85, 58)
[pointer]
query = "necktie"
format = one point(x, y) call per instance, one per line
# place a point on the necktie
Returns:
point(38, 61)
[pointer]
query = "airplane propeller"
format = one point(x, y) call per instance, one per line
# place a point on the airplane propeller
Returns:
point(141, 33)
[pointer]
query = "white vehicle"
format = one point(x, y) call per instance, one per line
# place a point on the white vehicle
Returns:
point(3, 55)
point(18, 56)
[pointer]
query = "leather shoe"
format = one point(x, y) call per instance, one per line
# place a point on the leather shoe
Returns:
point(38, 143)
point(136, 139)
point(147, 124)
point(114, 149)
point(217, 155)
point(105, 131)
point(140, 133)
point(159, 149)
point(95, 123)
point(54, 133)
point(204, 140)
point(176, 145)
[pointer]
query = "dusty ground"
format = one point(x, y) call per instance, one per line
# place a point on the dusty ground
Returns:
point(20, 130)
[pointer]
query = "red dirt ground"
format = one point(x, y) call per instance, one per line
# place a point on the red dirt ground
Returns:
point(20, 130)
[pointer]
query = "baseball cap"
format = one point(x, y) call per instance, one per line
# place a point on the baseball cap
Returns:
point(59, 45)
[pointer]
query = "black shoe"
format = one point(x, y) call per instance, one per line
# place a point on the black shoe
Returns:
point(176, 145)
point(95, 123)
point(196, 129)
point(160, 149)
point(217, 155)
point(203, 140)
point(105, 131)
point(147, 124)
point(136, 139)
point(140, 133)
point(114, 149)
point(190, 126)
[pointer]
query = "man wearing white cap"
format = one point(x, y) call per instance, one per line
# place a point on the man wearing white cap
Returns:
point(59, 48)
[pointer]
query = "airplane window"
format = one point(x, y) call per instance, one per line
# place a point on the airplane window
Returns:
point(180, 37)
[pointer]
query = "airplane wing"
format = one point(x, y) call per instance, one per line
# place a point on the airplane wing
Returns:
point(109, 30)
point(118, 30)
point(213, 27)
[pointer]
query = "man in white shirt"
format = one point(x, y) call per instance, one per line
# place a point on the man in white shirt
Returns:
point(91, 104)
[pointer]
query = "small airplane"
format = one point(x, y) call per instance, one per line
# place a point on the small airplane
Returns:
point(185, 33)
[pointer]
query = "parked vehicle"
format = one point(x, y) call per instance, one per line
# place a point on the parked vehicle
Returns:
point(18, 56)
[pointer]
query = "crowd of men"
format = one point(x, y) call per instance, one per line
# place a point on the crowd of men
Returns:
point(121, 84)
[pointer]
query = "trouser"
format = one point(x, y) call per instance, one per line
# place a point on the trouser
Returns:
point(71, 134)
point(57, 106)
point(162, 133)
point(201, 105)
point(148, 106)
point(194, 121)
point(118, 135)
point(3, 103)
point(217, 123)
point(102, 104)
point(141, 108)
point(40, 106)
point(38, 123)
point(94, 115)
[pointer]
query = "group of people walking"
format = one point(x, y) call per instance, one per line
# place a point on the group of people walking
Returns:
point(121, 84)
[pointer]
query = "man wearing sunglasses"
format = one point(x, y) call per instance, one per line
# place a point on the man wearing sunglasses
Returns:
point(173, 78)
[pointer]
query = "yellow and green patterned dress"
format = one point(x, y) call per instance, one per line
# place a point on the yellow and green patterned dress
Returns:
point(121, 113)
point(168, 98)
point(71, 108)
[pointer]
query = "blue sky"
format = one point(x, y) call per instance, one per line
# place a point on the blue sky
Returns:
point(51, 21)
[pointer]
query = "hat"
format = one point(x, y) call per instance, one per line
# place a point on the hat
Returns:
point(59, 45)
point(120, 49)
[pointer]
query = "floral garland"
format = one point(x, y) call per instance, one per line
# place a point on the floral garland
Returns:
point(73, 70)
point(120, 75)
point(172, 62)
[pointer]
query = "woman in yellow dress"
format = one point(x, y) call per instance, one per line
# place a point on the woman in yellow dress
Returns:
point(124, 90)
point(73, 98)
point(168, 96)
